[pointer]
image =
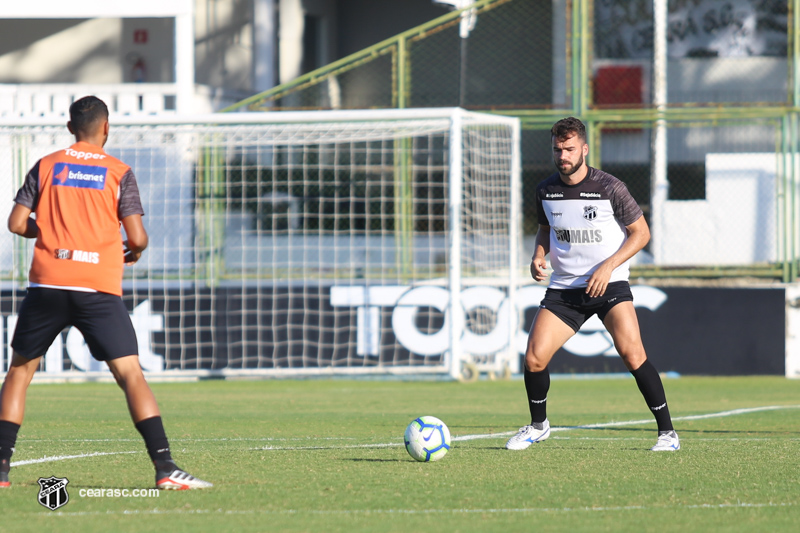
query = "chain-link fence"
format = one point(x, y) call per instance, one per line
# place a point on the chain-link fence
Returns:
point(721, 195)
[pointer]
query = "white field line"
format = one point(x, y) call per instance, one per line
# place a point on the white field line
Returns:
point(720, 414)
point(219, 439)
point(54, 458)
point(208, 512)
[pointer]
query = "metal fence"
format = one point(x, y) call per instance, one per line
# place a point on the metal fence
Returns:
point(694, 104)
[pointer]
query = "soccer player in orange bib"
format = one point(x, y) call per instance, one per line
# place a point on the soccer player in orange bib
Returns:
point(80, 197)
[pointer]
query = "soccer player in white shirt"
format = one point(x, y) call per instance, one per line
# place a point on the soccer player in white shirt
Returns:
point(591, 227)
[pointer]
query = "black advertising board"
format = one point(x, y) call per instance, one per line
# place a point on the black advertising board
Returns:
point(703, 331)
point(690, 331)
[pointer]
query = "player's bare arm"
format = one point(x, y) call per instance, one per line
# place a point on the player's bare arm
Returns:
point(21, 223)
point(542, 248)
point(137, 238)
point(638, 237)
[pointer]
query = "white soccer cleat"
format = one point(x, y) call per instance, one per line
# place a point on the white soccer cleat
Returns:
point(177, 479)
point(667, 442)
point(527, 435)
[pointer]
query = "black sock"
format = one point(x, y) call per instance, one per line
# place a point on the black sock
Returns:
point(536, 385)
point(652, 389)
point(8, 439)
point(152, 430)
point(164, 468)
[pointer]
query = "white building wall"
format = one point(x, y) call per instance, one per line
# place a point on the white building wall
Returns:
point(736, 223)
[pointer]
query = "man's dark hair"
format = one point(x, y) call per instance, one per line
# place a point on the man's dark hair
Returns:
point(84, 114)
point(567, 127)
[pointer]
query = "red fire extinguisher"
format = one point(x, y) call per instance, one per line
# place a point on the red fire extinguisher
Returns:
point(139, 71)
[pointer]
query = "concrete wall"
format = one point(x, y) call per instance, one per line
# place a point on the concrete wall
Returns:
point(61, 51)
point(224, 43)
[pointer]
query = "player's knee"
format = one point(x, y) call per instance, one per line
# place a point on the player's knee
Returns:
point(533, 363)
point(633, 359)
point(126, 375)
point(132, 381)
point(21, 369)
point(119, 378)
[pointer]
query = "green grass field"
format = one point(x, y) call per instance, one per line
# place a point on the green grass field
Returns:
point(327, 455)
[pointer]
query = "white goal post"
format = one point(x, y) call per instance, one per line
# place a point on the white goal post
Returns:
point(305, 243)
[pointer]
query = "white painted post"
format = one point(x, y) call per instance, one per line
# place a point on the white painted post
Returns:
point(264, 39)
point(515, 243)
point(658, 182)
point(184, 62)
point(456, 186)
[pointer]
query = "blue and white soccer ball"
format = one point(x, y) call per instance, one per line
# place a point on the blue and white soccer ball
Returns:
point(427, 439)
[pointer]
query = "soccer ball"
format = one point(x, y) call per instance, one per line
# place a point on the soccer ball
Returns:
point(427, 439)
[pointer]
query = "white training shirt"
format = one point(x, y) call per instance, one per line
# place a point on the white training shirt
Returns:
point(587, 225)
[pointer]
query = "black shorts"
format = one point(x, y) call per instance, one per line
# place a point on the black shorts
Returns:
point(101, 317)
point(574, 306)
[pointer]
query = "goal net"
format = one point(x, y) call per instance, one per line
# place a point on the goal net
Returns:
point(305, 242)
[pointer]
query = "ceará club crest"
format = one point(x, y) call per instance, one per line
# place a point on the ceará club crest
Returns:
point(53, 492)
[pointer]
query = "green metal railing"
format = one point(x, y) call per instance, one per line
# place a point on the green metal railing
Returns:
point(211, 199)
